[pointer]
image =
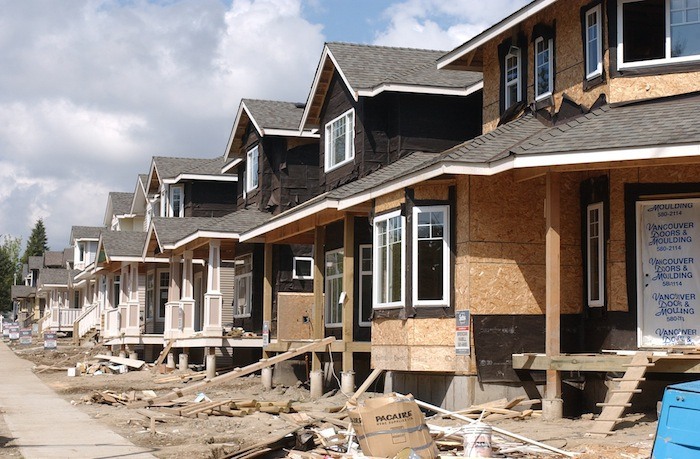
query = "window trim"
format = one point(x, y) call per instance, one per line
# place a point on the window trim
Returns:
point(621, 65)
point(171, 194)
point(360, 278)
point(249, 175)
point(248, 277)
point(599, 48)
point(326, 280)
point(518, 81)
point(600, 302)
point(550, 62)
point(375, 265)
point(446, 297)
point(294, 268)
point(349, 141)
point(159, 291)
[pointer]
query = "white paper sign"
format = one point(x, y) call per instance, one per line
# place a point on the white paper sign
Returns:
point(670, 272)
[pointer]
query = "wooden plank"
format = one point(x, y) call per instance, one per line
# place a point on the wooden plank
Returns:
point(553, 281)
point(348, 311)
point(132, 363)
point(164, 353)
point(267, 290)
point(237, 373)
point(365, 385)
point(319, 273)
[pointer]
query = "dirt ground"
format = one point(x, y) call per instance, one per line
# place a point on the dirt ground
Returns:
point(218, 436)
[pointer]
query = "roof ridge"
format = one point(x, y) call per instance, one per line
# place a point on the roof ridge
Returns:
point(365, 45)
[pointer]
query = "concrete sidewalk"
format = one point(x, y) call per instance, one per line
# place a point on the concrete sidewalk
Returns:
point(43, 425)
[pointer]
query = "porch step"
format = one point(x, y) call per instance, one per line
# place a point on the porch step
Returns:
point(621, 396)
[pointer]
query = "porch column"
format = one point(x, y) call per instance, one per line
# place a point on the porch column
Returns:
point(123, 296)
point(213, 299)
point(552, 404)
point(267, 290)
point(187, 301)
point(348, 312)
point(319, 273)
point(132, 321)
point(172, 307)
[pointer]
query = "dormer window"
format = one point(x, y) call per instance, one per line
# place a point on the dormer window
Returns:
point(339, 140)
point(176, 207)
point(81, 251)
point(512, 77)
point(594, 45)
point(251, 179)
point(653, 32)
point(543, 68)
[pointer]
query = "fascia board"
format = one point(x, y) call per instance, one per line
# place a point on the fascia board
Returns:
point(151, 233)
point(231, 165)
point(290, 218)
point(202, 235)
point(494, 31)
point(207, 177)
point(293, 133)
point(416, 89)
point(231, 136)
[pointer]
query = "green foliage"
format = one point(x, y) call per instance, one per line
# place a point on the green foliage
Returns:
point(37, 243)
point(10, 269)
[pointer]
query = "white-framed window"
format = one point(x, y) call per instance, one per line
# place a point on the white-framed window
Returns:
point(365, 288)
point(544, 67)
point(176, 208)
point(334, 288)
point(116, 290)
point(595, 253)
point(303, 268)
point(653, 32)
point(389, 254)
point(163, 286)
point(594, 43)
point(81, 252)
point(150, 295)
point(243, 287)
point(251, 171)
point(513, 93)
point(340, 140)
point(431, 256)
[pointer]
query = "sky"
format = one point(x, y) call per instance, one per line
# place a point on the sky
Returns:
point(90, 90)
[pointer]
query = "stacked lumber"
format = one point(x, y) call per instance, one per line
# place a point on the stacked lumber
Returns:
point(182, 378)
point(229, 407)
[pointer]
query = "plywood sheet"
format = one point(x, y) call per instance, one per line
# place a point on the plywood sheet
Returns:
point(292, 308)
point(390, 332)
point(507, 289)
point(393, 358)
point(651, 86)
point(438, 359)
point(463, 210)
point(431, 192)
point(617, 287)
point(389, 201)
point(432, 332)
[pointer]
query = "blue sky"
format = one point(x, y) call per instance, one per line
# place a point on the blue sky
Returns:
point(91, 90)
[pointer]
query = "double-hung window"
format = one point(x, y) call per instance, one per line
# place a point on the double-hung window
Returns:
point(594, 45)
point(176, 207)
point(543, 67)
point(116, 291)
point(389, 263)
point(163, 286)
point(595, 253)
point(251, 179)
point(431, 256)
point(652, 32)
point(243, 287)
point(334, 288)
point(340, 140)
point(513, 93)
point(150, 295)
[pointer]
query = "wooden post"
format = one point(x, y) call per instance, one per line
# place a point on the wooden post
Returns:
point(348, 312)
point(317, 323)
point(552, 406)
point(267, 290)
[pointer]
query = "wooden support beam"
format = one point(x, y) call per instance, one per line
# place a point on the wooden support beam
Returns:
point(317, 323)
point(348, 313)
point(553, 281)
point(267, 290)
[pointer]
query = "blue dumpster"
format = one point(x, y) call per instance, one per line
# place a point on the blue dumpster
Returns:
point(678, 431)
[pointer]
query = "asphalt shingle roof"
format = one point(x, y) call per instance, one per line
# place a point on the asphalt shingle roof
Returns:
point(22, 291)
point(367, 66)
point(272, 114)
point(121, 202)
point(35, 262)
point(86, 232)
point(53, 258)
point(56, 276)
point(123, 243)
point(169, 167)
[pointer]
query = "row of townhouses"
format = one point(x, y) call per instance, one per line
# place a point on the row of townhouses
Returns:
point(465, 220)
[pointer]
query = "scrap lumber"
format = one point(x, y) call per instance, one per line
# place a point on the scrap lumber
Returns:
point(131, 363)
point(365, 385)
point(437, 409)
point(262, 447)
point(238, 372)
point(196, 376)
point(163, 354)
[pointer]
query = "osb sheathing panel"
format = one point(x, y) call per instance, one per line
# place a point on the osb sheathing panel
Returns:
point(389, 201)
point(617, 287)
point(617, 180)
point(463, 209)
point(291, 309)
point(419, 358)
point(687, 173)
point(498, 288)
point(569, 64)
point(390, 332)
point(652, 86)
point(431, 193)
point(433, 332)
point(391, 358)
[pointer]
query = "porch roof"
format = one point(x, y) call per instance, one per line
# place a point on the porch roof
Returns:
point(22, 291)
point(56, 276)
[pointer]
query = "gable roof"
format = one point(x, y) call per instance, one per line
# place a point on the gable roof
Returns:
point(54, 258)
point(121, 202)
point(119, 245)
point(457, 58)
point(370, 70)
point(21, 291)
point(269, 117)
point(140, 195)
point(36, 262)
point(172, 170)
point(56, 276)
point(85, 232)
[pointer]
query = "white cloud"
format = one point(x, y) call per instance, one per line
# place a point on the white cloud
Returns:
point(441, 24)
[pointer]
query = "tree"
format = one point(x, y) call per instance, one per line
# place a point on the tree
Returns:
point(37, 242)
point(10, 269)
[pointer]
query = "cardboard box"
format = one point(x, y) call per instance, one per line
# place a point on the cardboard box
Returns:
point(386, 425)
